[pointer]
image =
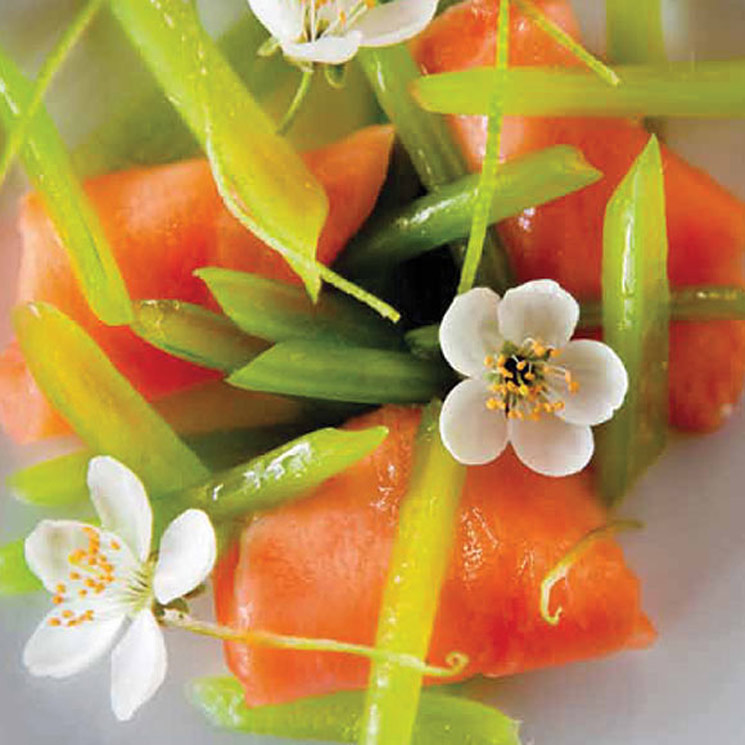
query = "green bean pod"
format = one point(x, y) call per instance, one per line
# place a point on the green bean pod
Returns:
point(336, 373)
point(441, 719)
point(278, 311)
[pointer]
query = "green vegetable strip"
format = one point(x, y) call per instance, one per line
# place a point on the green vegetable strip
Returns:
point(278, 311)
point(52, 483)
point(424, 341)
point(488, 179)
point(427, 139)
point(561, 37)
point(703, 89)
point(636, 314)
point(99, 403)
point(336, 373)
point(52, 64)
point(15, 576)
point(48, 167)
point(421, 552)
point(193, 333)
point(562, 568)
point(279, 198)
point(287, 471)
point(634, 31)
point(445, 215)
point(441, 719)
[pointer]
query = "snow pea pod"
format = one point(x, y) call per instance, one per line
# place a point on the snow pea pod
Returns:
point(195, 334)
point(419, 559)
point(338, 373)
point(636, 315)
point(444, 216)
point(442, 719)
point(279, 311)
point(48, 167)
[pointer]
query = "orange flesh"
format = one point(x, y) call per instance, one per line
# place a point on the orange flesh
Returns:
point(563, 240)
point(163, 223)
point(317, 568)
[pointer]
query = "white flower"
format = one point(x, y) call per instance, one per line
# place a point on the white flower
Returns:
point(100, 577)
point(526, 382)
point(331, 31)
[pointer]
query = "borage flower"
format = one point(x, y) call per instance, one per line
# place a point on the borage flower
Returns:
point(526, 382)
point(100, 577)
point(331, 31)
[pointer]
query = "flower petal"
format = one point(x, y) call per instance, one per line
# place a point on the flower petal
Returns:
point(328, 50)
point(282, 18)
point(138, 666)
point(551, 446)
point(473, 434)
point(469, 331)
point(48, 550)
point(61, 651)
point(188, 551)
point(602, 381)
point(122, 504)
point(394, 22)
point(541, 310)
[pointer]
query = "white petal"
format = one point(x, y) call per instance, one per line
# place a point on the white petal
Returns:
point(394, 22)
point(469, 331)
point(188, 551)
point(551, 446)
point(282, 18)
point(329, 50)
point(602, 381)
point(473, 434)
point(138, 666)
point(122, 504)
point(48, 549)
point(61, 651)
point(541, 310)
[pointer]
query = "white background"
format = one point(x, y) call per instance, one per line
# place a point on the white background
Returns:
point(687, 690)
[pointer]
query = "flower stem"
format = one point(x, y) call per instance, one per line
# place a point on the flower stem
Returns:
point(456, 661)
point(300, 95)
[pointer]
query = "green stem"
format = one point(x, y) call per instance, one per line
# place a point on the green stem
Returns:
point(457, 662)
point(301, 93)
point(49, 69)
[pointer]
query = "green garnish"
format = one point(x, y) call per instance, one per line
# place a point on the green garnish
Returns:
point(562, 568)
point(54, 482)
point(278, 311)
point(15, 576)
point(195, 334)
point(70, 37)
point(634, 31)
point(703, 89)
point(445, 215)
point(487, 185)
point(636, 318)
point(341, 373)
point(48, 167)
point(419, 559)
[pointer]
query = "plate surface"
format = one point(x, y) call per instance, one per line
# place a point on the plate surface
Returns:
point(685, 691)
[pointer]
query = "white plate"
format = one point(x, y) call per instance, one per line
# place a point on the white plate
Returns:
point(686, 690)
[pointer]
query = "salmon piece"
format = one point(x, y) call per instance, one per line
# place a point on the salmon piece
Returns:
point(317, 568)
point(163, 223)
point(563, 239)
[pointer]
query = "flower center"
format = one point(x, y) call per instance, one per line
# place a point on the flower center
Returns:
point(526, 382)
point(93, 570)
point(331, 16)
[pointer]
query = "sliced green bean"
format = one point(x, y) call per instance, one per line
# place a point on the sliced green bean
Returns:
point(441, 720)
point(281, 200)
point(195, 334)
point(278, 311)
point(680, 89)
point(286, 472)
point(99, 403)
point(335, 373)
point(47, 165)
point(636, 315)
point(427, 139)
point(445, 215)
point(15, 576)
point(634, 31)
point(419, 560)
